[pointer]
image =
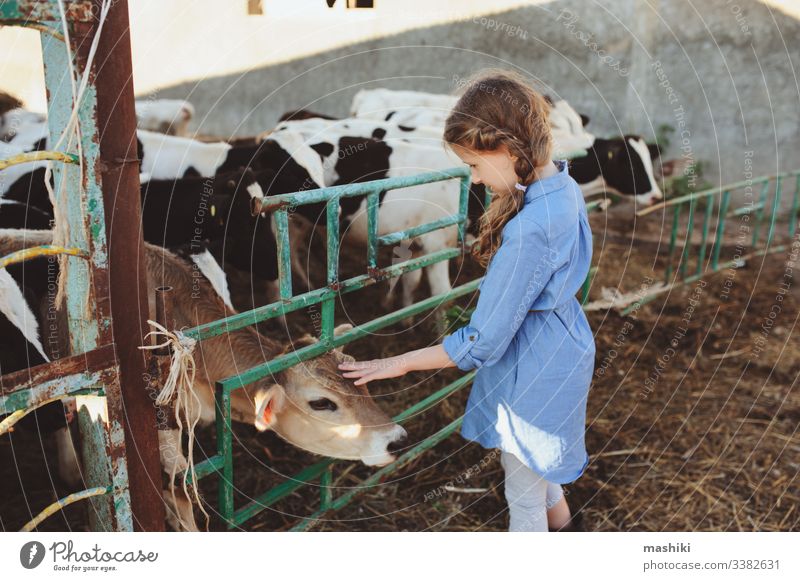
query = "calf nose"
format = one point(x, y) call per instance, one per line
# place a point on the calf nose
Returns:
point(395, 446)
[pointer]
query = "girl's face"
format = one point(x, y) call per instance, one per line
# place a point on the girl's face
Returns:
point(494, 169)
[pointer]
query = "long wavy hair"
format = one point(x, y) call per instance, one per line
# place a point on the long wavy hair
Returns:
point(499, 107)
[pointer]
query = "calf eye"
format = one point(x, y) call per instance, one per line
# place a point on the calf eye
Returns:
point(323, 404)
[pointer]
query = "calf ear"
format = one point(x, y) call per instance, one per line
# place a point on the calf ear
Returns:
point(340, 355)
point(343, 357)
point(341, 329)
point(655, 150)
point(269, 402)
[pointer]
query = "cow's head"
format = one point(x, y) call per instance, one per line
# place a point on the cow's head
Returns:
point(249, 242)
point(288, 180)
point(316, 409)
point(627, 166)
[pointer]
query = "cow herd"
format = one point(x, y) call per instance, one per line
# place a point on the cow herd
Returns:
point(198, 214)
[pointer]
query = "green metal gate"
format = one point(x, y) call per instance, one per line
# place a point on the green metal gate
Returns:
point(222, 463)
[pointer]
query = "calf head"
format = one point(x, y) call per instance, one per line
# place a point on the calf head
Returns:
point(627, 166)
point(250, 243)
point(316, 409)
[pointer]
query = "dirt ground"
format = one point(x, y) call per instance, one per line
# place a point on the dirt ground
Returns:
point(691, 423)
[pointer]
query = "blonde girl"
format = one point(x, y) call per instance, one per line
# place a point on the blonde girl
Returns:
point(528, 337)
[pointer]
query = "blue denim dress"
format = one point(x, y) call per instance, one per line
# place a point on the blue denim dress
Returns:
point(528, 337)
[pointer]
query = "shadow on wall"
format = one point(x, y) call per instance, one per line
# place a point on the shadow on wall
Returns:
point(723, 74)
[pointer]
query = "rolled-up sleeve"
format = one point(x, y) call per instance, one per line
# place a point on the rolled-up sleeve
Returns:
point(516, 276)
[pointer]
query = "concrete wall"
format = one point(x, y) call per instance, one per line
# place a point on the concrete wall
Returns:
point(723, 73)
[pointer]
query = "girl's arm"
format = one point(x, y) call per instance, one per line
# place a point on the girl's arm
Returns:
point(434, 357)
point(515, 278)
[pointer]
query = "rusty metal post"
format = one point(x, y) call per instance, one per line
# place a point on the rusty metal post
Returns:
point(116, 123)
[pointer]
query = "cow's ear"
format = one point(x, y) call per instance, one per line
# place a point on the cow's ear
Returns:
point(655, 150)
point(269, 402)
point(342, 357)
point(584, 119)
point(341, 329)
point(303, 341)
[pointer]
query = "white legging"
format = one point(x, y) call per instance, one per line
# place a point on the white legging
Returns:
point(529, 495)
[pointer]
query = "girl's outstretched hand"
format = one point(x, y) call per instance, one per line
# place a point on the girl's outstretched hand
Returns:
point(366, 371)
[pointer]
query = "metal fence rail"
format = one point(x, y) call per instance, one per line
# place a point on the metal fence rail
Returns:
point(717, 201)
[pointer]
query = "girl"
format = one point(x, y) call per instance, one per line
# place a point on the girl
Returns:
point(528, 337)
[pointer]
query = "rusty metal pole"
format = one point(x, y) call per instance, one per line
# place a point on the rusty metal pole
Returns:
point(116, 120)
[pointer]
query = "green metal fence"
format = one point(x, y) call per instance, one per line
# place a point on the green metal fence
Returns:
point(752, 238)
point(222, 463)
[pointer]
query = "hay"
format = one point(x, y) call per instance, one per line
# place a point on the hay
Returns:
point(713, 447)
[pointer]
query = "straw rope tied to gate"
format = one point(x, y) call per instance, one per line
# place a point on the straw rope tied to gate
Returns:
point(179, 384)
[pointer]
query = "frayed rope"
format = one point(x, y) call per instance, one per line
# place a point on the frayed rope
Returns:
point(180, 383)
point(181, 366)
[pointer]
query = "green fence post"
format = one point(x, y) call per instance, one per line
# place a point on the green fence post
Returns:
point(718, 239)
point(760, 212)
point(704, 240)
point(774, 213)
point(222, 396)
point(793, 211)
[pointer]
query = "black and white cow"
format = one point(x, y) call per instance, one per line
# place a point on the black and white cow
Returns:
point(170, 157)
point(346, 158)
point(8, 102)
point(420, 109)
point(623, 166)
point(23, 182)
point(24, 129)
point(23, 298)
point(300, 114)
point(17, 214)
point(412, 108)
point(169, 116)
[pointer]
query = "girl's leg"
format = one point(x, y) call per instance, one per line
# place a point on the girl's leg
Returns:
point(526, 493)
point(558, 514)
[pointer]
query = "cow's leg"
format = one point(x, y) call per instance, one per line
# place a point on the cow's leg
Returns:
point(406, 250)
point(299, 236)
point(388, 300)
point(180, 508)
point(69, 467)
point(439, 280)
point(439, 273)
point(180, 511)
point(173, 459)
point(410, 282)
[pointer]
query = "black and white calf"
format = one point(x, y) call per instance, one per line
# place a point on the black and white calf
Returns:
point(623, 166)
